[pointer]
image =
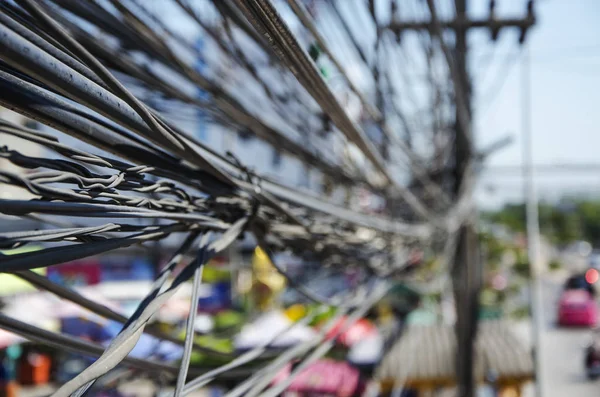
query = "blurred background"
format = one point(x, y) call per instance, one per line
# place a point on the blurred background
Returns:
point(359, 121)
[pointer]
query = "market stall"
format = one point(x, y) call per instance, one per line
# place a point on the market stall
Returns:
point(424, 359)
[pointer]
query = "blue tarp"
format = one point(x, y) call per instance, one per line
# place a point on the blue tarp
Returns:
point(103, 333)
point(147, 345)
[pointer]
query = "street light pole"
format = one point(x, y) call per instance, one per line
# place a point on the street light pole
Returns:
point(533, 227)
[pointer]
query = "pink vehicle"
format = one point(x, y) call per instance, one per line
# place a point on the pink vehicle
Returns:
point(577, 307)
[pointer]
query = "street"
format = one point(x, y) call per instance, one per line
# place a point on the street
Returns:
point(562, 368)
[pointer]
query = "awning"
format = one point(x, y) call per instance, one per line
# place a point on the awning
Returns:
point(425, 357)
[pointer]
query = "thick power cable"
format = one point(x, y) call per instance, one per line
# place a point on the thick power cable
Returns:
point(44, 284)
point(246, 357)
point(68, 343)
point(190, 329)
point(302, 14)
point(418, 205)
point(267, 20)
point(76, 187)
point(131, 332)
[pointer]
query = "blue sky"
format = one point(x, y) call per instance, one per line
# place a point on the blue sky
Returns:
point(565, 69)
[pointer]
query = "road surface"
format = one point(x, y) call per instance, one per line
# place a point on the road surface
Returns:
point(562, 368)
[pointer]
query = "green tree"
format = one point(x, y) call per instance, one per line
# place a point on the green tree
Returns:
point(511, 215)
point(562, 223)
point(493, 249)
point(590, 220)
point(566, 226)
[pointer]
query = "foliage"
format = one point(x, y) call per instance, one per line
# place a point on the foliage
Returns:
point(323, 316)
point(521, 255)
point(554, 265)
point(228, 319)
point(563, 222)
point(522, 268)
point(223, 345)
point(436, 297)
point(494, 250)
point(514, 287)
point(511, 216)
point(494, 302)
point(488, 297)
point(520, 313)
point(427, 268)
point(214, 274)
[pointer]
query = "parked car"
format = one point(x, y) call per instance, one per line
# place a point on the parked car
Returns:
point(577, 307)
point(580, 281)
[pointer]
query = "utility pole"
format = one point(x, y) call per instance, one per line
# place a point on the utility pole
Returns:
point(466, 271)
point(533, 227)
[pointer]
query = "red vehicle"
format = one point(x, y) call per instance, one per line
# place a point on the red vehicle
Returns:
point(577, 307)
